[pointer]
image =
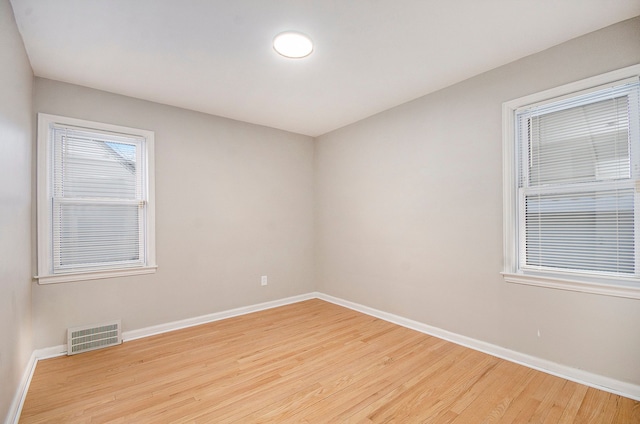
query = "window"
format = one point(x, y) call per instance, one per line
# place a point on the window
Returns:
point(572, 186)
point(95, 200)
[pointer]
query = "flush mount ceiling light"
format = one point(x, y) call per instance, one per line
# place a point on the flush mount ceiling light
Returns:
point(294, 45)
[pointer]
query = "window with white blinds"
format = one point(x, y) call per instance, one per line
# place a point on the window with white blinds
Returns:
point(98, 200)
point(577, 183)
point(575, 187)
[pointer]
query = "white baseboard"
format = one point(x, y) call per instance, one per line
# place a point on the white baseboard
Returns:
point(579, 376)
point(18, 399)
point(573, 374)
point(50, 352)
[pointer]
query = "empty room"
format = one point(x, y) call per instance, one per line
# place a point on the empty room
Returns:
point(319, 211)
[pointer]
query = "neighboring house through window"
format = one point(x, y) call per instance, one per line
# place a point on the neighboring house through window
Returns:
point(572, 186)
point(95, 200)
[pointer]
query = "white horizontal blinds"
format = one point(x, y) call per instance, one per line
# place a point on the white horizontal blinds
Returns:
point(585, 231)
point(580, 144)
point(98, 200)
point(96, 165)
point(577, 182)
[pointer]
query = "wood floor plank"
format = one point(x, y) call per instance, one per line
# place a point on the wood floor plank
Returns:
point(493, 394)
point(560, 402)
point(333, 380)
point(357, 405)
point(548, 392)
point(309, 362)
point(628, 411)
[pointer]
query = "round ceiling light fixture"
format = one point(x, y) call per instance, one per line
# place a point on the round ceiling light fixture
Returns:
point(292, 44)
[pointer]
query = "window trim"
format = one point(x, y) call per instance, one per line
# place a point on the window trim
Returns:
point(44, 228)
point(610, 286)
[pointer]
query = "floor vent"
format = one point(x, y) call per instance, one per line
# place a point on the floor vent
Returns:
point(83, 339)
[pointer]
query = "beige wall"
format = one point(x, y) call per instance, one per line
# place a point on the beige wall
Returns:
point(409, 216)
point(234, 201)
point(16, 123)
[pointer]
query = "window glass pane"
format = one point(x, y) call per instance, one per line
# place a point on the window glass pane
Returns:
point(89, 167)
point(592, 231)
point(585, 143)
point(96, 234)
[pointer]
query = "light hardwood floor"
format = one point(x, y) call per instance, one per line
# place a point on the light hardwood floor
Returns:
point(310, 362)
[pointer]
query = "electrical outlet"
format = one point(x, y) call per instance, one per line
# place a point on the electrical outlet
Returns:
point(263, 280)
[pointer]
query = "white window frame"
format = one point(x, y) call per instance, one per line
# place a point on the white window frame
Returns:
point(512, 272)
point(46, 274)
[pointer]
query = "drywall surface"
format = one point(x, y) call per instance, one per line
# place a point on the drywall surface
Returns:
point(16, 84)
point(234, 201)
point(409, 216)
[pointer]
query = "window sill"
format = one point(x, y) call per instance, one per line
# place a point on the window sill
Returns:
point(606, 289)
point(94, 275)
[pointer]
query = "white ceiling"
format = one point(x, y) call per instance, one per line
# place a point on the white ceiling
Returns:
point(215, 56)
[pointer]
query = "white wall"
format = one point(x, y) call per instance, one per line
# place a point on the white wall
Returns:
point(409, 216)
point(16, 123)
point(234, 201)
